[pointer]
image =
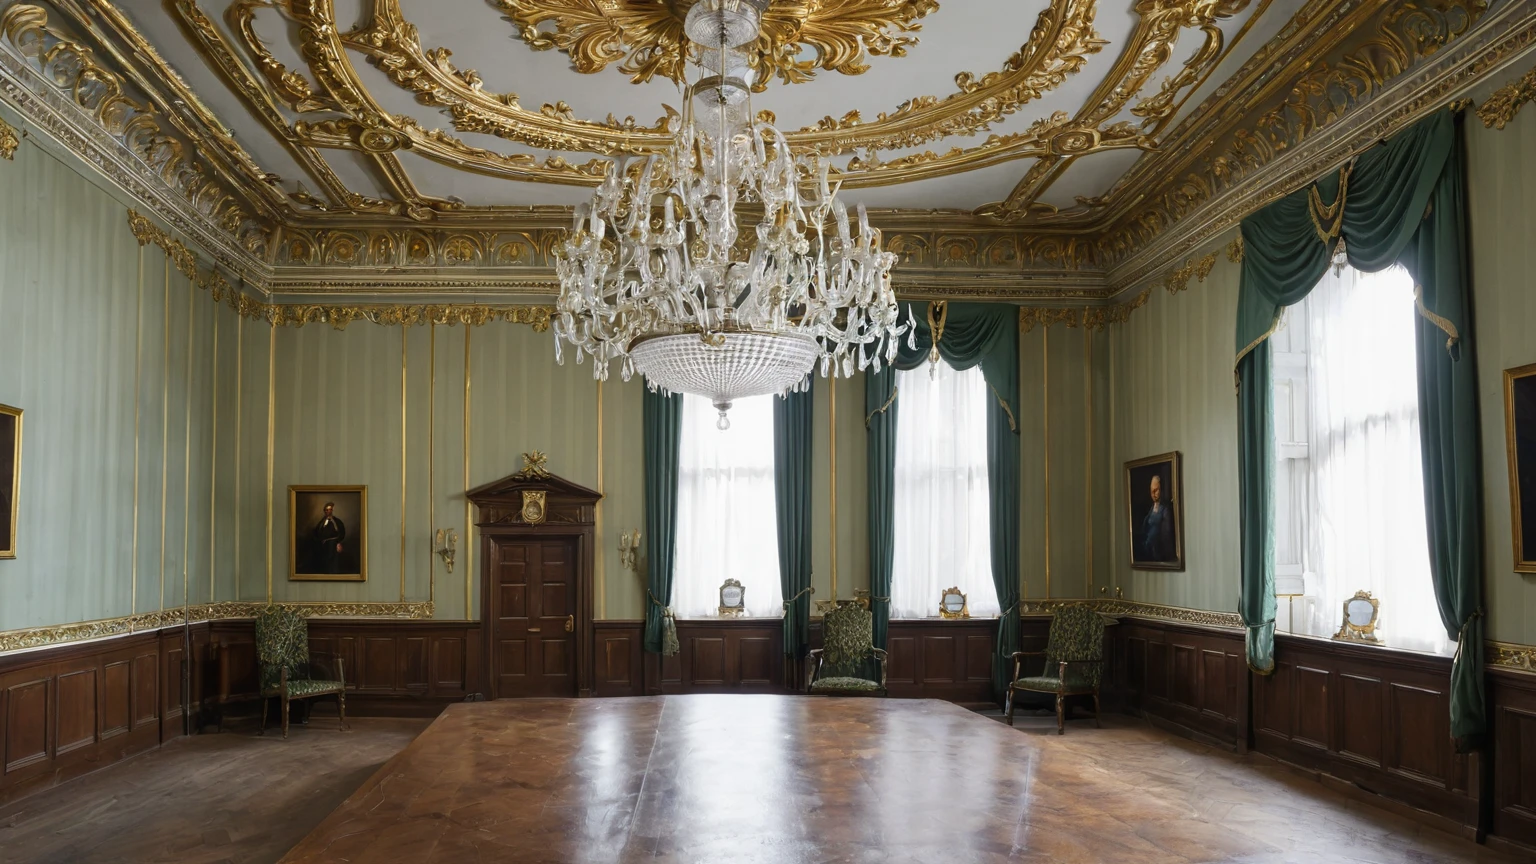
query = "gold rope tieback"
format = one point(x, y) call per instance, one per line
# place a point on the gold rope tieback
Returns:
point(1452, 336)
point(804, 591)
point(1333, 213)
point(882, 409)
point(938, 314)
point(1012, 426)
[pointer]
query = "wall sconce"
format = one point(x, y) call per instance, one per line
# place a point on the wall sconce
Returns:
point(446, 550)
point(629, 548)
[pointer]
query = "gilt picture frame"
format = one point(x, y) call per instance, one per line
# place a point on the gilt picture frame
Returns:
point(327, 533)
point(1154, 504)
point(1520, 438)
point(10, 479)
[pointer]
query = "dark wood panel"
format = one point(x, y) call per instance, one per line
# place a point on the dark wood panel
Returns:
point(1361, 722)
point(117, 684)
point(618, 654)
point(1314, 711)
point(940, 657)
point(756, 661)
point(708, 656)
point(76, 710)
point(901, 664)
point(723, 656)
point(1191, 678)
point(146, 689)
point(1513, 732)
point(26, 723)
point(933, 658)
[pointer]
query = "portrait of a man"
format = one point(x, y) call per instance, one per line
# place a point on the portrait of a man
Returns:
point(10, 478)
point(1520, 429)
point(327, 534)
point(1154, 498)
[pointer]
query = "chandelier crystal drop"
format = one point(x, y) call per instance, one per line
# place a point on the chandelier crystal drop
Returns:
point(660, 274)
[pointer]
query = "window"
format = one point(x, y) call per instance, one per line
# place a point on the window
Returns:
point(1349, 487)
point(726, 518)
point(943, 516)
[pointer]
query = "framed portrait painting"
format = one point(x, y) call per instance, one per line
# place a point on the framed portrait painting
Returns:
point(1154, 499)
point(328, 533)
point(10, 478)
point(1520, 433)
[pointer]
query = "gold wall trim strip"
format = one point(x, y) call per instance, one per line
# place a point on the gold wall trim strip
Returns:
point(42, 637)
point(832, 475)
point(138, 376)
point(165, 422)
point(213, 466)
point(431, 460)
point(597, 515)
point(1045, 414)
point(1088, 461)
point(469, 518)
point(186, 471)
point(404, 464)
point(271, 441)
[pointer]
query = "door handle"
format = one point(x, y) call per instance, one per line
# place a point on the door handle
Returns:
point(570, 623)
point(533, 630)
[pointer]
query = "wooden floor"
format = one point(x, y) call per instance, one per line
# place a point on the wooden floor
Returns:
point(227, 798)
point(788, 779)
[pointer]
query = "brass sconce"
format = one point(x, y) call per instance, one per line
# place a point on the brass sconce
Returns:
point(445, 545)
point(629, 548)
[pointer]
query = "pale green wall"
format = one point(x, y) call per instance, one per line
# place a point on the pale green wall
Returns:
point(97, 336)
point(1173, 390)
point(1501, 203)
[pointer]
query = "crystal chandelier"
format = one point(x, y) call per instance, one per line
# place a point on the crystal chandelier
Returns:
point(658, 274)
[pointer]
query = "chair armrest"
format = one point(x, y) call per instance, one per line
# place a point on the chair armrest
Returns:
point(1066, 663)
point(883, 657)
point(1018, 654)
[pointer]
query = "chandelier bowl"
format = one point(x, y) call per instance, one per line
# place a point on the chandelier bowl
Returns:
point(728, 365)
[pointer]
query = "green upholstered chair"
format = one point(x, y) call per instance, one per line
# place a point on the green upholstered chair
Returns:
point(1074, 662)
point(848, 663)
point(284, 665)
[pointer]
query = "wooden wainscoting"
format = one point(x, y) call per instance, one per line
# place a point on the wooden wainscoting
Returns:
point(722, 656)
point(69, 710)
point(1512, 696)
point(618, 655)
point(938, 659)
point(1369, 715)
point(1194, 678)
point(393, 667)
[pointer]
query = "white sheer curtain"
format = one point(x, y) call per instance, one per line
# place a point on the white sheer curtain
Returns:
point(726, 520)
point(1366, 490)
point(943, 521)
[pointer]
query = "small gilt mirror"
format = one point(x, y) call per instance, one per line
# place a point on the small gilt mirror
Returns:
point(733, 599)
point(1361, 618)
point(952, 604)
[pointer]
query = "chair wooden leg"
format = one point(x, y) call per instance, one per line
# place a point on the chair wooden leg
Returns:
point(1061, 715)
point(285, 716)
point(1096, 723)
point(263, 731)
point(341, 708)
point(1008, 709)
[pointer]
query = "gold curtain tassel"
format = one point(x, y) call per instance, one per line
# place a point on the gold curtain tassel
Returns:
point(1452, 336)
point(882, 409)
point(1012, 426)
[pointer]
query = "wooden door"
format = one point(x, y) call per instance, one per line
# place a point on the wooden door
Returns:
point(532, 613)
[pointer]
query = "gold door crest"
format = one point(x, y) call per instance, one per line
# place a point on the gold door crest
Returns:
point(533, 506)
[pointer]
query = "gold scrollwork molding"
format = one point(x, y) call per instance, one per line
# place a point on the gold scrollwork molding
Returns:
point(1198, 269)
point(10, 139)
point(1509, 655)
point(1502, 105)
point(649, 38)
point(41, 637)
point(1113, 606)
point(72, 68)
point(1093, 318)
point(1309, 95)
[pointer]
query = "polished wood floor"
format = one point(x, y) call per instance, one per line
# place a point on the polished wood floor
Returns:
point(227, 798)
point(787, 779)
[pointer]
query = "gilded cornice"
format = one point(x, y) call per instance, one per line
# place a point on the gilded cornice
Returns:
point(1444, 64)
point(41, 637)
point(1502, 105)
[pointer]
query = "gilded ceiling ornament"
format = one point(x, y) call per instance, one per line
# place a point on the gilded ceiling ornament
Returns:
point(797, 37)
point(1381, 42)
point(72, 67)
point(10, 139)
point(1501, 106)
point(290, 86)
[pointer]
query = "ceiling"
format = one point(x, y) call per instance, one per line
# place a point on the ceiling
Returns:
point(1007, 107)
point(995, 135)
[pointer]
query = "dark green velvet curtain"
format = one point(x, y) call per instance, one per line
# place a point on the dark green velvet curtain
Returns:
point(973, 334)
point(1400, 202)
point(792, 431)
point(661, 428)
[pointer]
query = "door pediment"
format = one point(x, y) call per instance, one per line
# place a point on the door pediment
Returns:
point(514, 500)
